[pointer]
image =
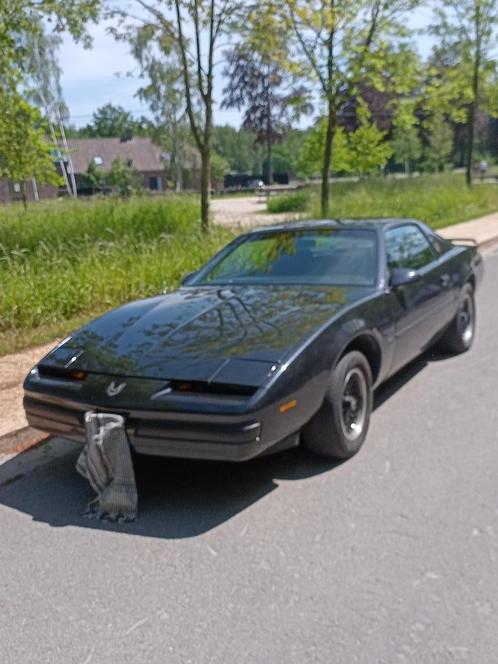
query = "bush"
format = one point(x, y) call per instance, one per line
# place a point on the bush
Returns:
point(64, 262)
point(297, 201)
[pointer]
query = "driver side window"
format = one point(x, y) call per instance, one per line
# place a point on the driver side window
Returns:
point(407, 247)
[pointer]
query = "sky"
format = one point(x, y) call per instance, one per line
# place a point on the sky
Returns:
point(96, 76)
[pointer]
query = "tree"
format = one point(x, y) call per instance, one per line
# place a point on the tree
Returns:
point(469, 28)
point(160, 68)
point(24, 151)
point(109, 121)
point(238, 147)
point(344, 42)
point(19, 18)
point(261, 82)
point(267, 93)
point(368, 148)
point(195, 27)
point(42, 81)
point(124, 178)
point(406, 143)
point(439, 142)
point(362, 151)
point(219, 167)
point(310, 162)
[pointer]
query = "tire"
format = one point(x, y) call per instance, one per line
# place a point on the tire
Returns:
point(459, 337)
point(340, 427)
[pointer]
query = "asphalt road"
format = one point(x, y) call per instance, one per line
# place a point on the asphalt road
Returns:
point(389, 557)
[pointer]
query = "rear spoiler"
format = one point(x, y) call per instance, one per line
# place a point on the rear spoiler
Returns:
point(462, 240)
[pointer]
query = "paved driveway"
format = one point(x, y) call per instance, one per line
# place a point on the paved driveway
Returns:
point(389, 557)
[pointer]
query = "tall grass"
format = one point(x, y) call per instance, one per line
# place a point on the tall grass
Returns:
point(438, 200)
point(64, 262)
point(297, 201)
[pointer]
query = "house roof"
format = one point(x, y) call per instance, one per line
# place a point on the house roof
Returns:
point(144, 154)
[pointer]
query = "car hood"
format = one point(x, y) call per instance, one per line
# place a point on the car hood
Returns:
point(202, 332)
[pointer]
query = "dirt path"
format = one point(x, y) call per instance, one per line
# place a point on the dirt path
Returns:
point(244, 212)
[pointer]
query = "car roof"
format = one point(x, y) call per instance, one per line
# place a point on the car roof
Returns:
point(360, 223)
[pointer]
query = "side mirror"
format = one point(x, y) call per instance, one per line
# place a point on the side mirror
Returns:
point(402, 276)
point(187, 278)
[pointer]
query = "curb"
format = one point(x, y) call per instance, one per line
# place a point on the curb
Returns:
point(21, 439)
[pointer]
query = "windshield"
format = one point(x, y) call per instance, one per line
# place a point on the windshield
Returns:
point(345, 257)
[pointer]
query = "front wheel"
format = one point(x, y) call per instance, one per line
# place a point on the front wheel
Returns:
point(459, 336)
point(340, 427)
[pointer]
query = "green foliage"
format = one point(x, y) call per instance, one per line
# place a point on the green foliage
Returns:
point(110, 121)
point(298, 201)
point(219, 167)
point(64, 262)
point(19, 18)
point(439, 142)
point(361, 152)
point(368, 148)
point(406, 143)
point(24, 152)
point(124, 178)
point(238, 147)
point(95, 176)
point(310, 158)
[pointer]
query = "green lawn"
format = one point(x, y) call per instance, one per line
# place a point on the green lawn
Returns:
point(64, 262)
point(438, 200)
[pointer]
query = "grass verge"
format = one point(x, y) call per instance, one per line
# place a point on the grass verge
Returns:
point(297, 201)
point(63, 263)
point(438, 200)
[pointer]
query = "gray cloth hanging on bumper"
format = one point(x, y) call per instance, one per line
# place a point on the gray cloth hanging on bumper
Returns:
point(107, 464)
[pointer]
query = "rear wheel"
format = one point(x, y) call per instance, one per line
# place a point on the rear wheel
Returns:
point(459, 336)
point(339, 428)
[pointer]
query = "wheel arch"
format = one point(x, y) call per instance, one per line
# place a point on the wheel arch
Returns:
point(366, 344)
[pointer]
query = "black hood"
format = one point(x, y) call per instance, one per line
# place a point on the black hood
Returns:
point(195, 333)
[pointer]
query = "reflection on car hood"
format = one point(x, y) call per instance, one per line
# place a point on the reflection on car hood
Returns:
point(193, 332)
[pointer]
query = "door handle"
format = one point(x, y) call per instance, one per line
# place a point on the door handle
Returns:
point(445, 280)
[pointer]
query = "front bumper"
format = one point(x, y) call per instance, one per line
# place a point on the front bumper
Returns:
point(170, 434)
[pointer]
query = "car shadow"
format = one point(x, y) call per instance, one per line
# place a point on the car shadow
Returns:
point(177, 498)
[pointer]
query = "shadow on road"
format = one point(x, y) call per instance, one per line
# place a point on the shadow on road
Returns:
point(177, 498)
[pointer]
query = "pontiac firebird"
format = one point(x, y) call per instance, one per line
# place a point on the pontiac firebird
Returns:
point(281, 337)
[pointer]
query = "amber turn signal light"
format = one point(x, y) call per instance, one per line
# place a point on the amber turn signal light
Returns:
point(288, 406)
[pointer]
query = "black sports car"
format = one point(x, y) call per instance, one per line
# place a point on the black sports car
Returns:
point(281, 336)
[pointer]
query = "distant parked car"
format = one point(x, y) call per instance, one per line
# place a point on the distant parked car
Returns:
point(280, 337)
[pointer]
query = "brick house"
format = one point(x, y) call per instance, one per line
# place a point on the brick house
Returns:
point(142, 153)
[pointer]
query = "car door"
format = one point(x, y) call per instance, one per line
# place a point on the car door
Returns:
point(418, 304)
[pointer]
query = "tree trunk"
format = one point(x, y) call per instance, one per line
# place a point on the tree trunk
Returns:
point(35, 189)
point(205, 188)
point(23, 195)
point(327, 160)
point(269, 159)
point(178, 161)
point(269, 139)
point(473, 107)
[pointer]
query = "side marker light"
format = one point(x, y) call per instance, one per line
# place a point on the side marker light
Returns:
point(288, 406)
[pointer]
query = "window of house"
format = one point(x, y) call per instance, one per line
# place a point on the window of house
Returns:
point(98, 161)
point(408, 247)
